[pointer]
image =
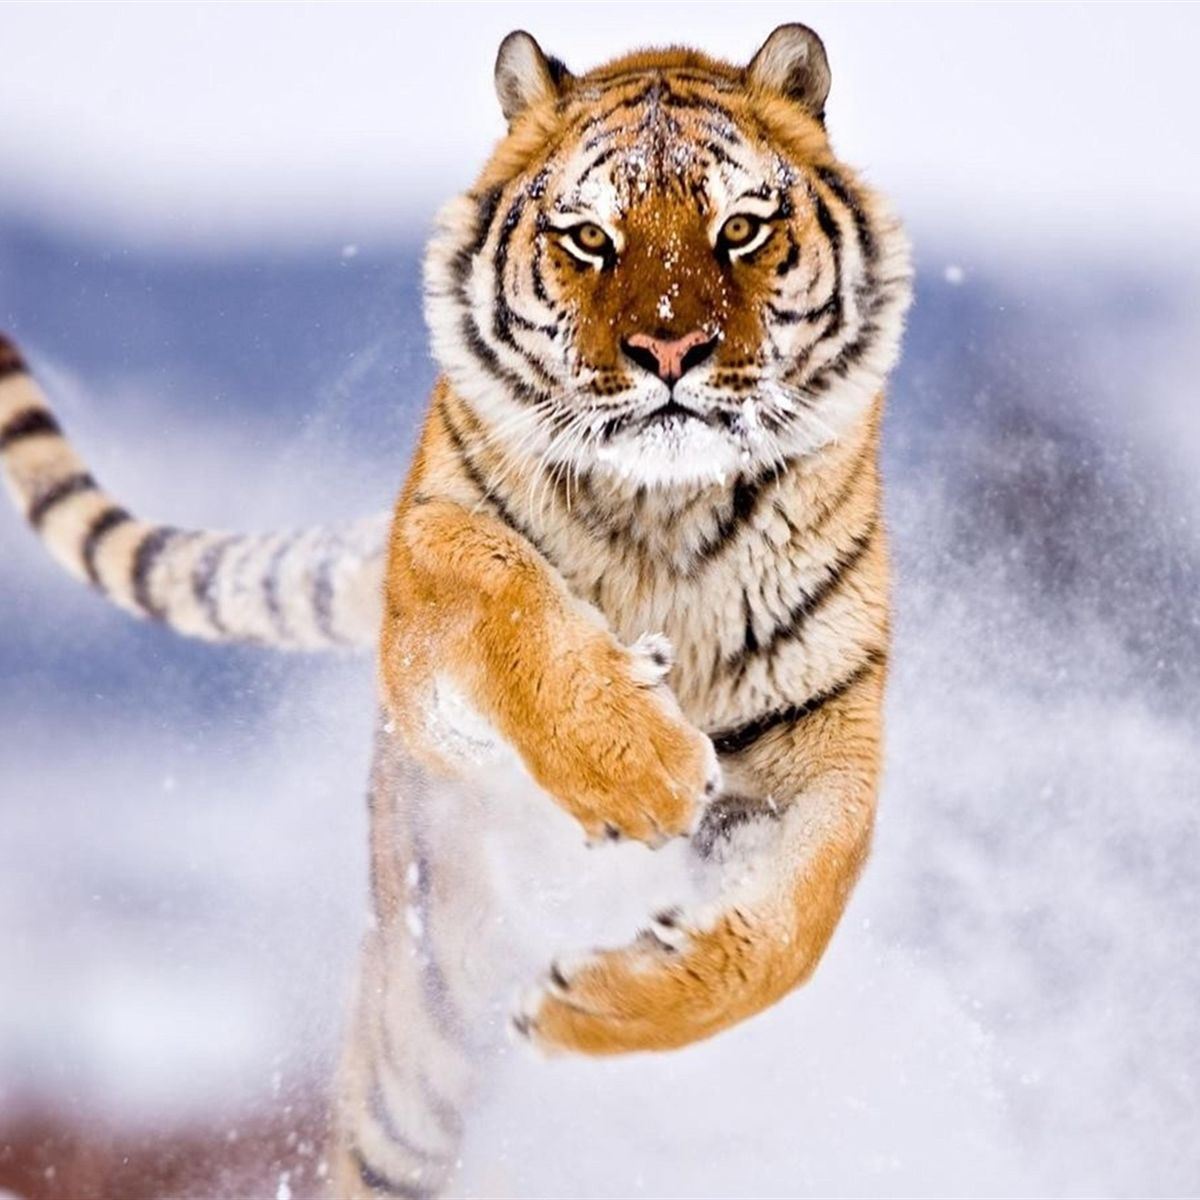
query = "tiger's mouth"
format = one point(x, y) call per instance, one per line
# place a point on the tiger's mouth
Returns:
point(670, 414)
point(674, 412)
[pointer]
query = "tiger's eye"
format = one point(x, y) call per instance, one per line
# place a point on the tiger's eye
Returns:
point(591, 237)
point(739, 231)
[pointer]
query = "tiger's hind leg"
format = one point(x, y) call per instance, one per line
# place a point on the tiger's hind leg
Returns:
point(418, 1028)
point(402, 1091)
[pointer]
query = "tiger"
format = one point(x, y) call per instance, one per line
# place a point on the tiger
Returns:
point(640, 554)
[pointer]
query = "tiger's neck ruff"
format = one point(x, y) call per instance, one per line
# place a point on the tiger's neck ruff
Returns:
point(653, 159)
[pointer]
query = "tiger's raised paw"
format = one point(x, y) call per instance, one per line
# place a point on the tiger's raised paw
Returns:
point(674, 984)
point(625, 761)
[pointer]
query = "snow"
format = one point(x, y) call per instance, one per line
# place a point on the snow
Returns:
point(413, 922)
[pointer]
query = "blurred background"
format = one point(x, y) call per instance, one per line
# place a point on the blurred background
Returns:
point(211, 221)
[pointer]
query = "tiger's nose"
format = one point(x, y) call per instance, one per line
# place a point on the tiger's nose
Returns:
point(669, 358)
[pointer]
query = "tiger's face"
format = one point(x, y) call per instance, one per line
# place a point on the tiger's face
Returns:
point(663, 273)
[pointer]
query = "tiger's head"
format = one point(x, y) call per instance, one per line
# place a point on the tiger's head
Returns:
point(663, 272)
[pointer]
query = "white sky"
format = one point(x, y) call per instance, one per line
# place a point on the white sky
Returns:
point(225, 121)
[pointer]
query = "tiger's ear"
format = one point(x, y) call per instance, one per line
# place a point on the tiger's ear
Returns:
point(525, 75)
point(792, 61)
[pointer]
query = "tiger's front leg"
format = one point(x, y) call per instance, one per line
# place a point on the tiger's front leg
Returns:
point(477, 617)
point(788, 839)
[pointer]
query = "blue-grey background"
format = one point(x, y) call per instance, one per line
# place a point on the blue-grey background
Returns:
point(229, 322)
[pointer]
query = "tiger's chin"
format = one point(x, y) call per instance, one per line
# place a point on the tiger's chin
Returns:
point(677, 453)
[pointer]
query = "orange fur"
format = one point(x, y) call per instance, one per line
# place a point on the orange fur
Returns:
point(467, 598)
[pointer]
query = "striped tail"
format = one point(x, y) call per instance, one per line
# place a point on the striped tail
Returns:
point(312, 589)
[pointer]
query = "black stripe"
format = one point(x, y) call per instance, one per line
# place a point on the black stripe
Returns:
point(879, 293)
point(727, 134)
point(435, 985)
point(835, 574)
point(488, 359)
point(381, 1114)
point(866, 235)
point(535, 271)
point(485, 212)
point(846, 358)
point(64, 489)
point(322, 594)
point(104, 521)
point(377, 1181)
point(792, 261)
point(447, 1116)
point(504, 316)
point(690, 74)
point(599, 161)
point(850, 354)
point(747, 493)
point(749, 638)
point(680, 100)
point(740, 737)
point(29, 422)
point(601, 117)
point(441, 1001)
point(724, 815)
point(11, 362)
point(721, 156)
point(270, 584)
point(204, 582)
point(149, 550)
point(833, 234)
point(485, 490)
point(598, 139)
point(472, 471)
point(793, 316)
point(706, 78)
point(487, 205)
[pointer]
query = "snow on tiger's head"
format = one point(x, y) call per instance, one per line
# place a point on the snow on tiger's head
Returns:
point(663, 272)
